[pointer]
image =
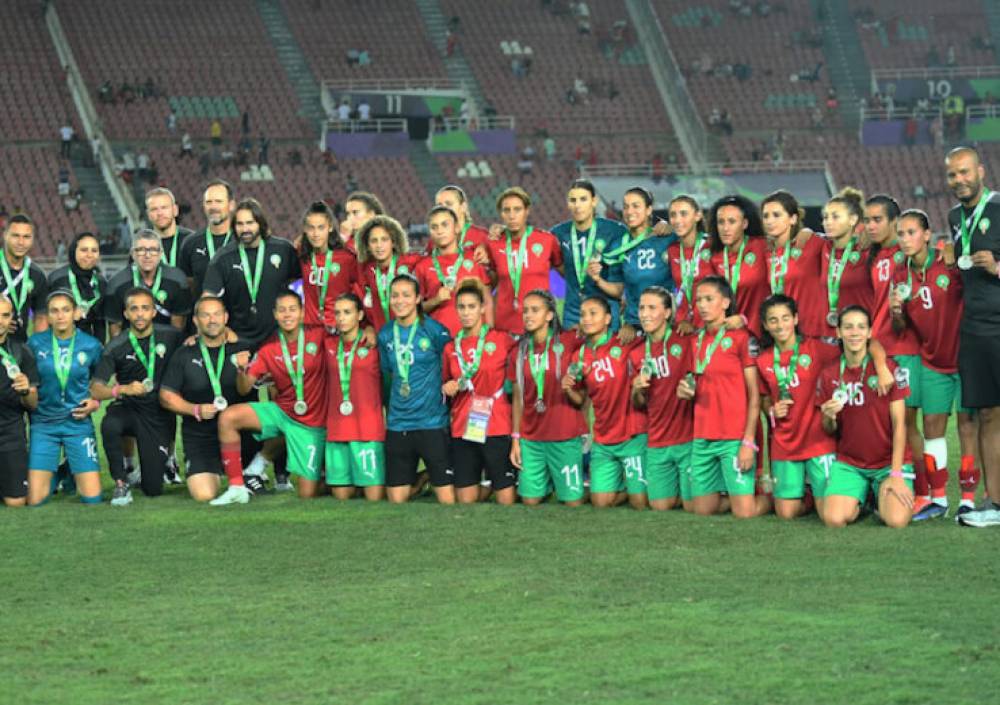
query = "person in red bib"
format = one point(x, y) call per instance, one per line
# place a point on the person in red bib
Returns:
point(601, 372)
point(740, 255)
point(870, 430)
point(382, 254)
point(547, 433)
point(328, 268)
point(474, 373)
point(927, 298)
point(722, 381)
point(522, 257)
point(659, 361)
point(689, 259)
point(447, 266)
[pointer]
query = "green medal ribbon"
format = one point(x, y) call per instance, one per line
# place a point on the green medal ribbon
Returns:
point(733, 275)
point(447, 282)
point(345, 365)
point(650, 359)
point(252, 286)
point(966, 231)
point(699, 364)
point(469, 371)
point(843, 366)
point(538, 369)
point(628, 244)
point(383, 281)
point(835, 273)
point(297, 371)
point(923, 269)
point(150, 362)
point(593, 348)
point(784, 378)
point(210, 242)
point(77, 296)
point(517, 262)
point(62, 363)
point(403, 362)
point(588, 252)
point(325, 277)
point(137, 281)
point(778, 273)
point(689, 267)
point(17, 297)
point(461, 237)
point(8, 359)
point(214, 372)
point(170, 259)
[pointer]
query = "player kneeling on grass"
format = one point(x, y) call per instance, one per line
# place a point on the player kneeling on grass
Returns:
point(66, 358)
point(658, 364)
point(18, 394)
point(355, 427)
point(474, 373)
point(722, 381)
point(600, 372)
point(200, 383)
point(294, 361)
point(547, 443)
point(870, 431)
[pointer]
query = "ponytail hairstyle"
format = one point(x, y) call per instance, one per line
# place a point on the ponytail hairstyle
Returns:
point(665, 296)
point(918, 215)
point(471, 287)
point(748, 208)
point(550, 303)
point(853, 200)
point(333, 241)
point(766, 340)
point(700, 226)
point(722, 286)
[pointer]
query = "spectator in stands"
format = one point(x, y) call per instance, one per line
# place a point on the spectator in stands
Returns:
point(245, 123)
point(364, 58)
point(187, 147)
point(61, 253)
point(172, 122)
point(950, 55)
point(123, 241)
point(126, 93)
point(581, 89)
point(450, 44)
point(72, 201)
point(263, 146)
point(106, 93)
point(344, 110)
point(351, 184)
point(549, 147)
point(919, 192)
point(832, 102)
point(142, 164)
point(582, 12)
point(364, 110)
point(330, 159)
point(817, 118)
point(215, 131)
point(63, 186)
point(656, 168)
point(910, 131)
point(66, 135)
point(127, 166)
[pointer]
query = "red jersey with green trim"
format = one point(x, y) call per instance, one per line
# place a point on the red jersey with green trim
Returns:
point(753, 286)
point(474, 237)
point(561, 421)
point(343, 279)
point(670, 420)
point(800, 435)
point(855, 283)
point(686, 310)
point(864, 429)
point(368, 288)
point(270, 361)
point(366, 422)
point(430, 283)
point(720, 401)
point(934, 312)
point(542, 254)
point(905, 343)
point(803, 282)
point(607, 377)
point(487, 382)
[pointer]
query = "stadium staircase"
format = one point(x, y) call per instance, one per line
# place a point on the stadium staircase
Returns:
point(457, 67)
point(95, 191)
point(845, 58)
point(992, 9)
point(293, 61)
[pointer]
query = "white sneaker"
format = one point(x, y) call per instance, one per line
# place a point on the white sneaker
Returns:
point(980, 518)
point(235, 494)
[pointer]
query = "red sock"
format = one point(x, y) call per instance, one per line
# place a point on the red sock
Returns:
point(232, 462)
point(968, 478)
point(920, 485)
point(936, 477)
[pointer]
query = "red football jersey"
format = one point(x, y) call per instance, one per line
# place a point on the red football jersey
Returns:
point(368, 288)
point(269, 360)
point(855, 284)
point(607, 378)
point(754, 286)
point(804, 283)
point(343, 279)
point(720, 402)
point(487, 382)
point(670, 420)
point(560, 421)
point(366, 422)
point(542, 255)
point(430, 283)
point(475, 236)
point(800, 435)
point(883, 266)
point(934, 312)
point(686, 310)
point(864, 429)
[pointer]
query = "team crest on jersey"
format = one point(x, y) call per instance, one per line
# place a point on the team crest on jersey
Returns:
point(467, 265)
point(666, 258)
point(873, 381)
point(160, 349)
point(424, 344)
point(751, 259)
point(984, 225)
point(161, 296)
point(335, 268)
point(599, 245)
point(490, 348)
point(942, 281)
point(805, 360)
point(727, 343)
point(30, 286)
point(557, 347)
point(676, 350)
point(898, 257)
point(362, 353)
point(616, 352)
point(81, 357)
point(855, 258)
point(796, 253)
point(706, 255)
point(276, 260)
point(536, 249)
point(402, 269)
point(311, 348)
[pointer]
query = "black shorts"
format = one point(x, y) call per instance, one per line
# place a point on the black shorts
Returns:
point(404, 449)
point(470, 460)
point(202, 454)
point(978, 357)
point(14, 471)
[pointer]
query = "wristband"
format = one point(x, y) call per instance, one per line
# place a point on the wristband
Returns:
point(896, 473)
point(197, 412)
point(749, 444)
point(515, 436)
point(115, 390)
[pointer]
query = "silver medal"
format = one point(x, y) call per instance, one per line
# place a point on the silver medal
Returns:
point(691, 381)
point(148, 385)
point(346, 407)
point(831, 319)
point(300, 407)
point(965, 262)
point(840, 396)
point(404, 389)
point(220, 403)
point(84, 309)
point(540, 406)
point(12, 370)
point(903, 291)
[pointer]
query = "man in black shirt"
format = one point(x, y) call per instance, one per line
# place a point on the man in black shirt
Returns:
point(249, 276)
point(199, 249)
point(975, 226)
point(21, 280)
point(18, 394)
point(167, 284)
point(199, 383)
point(161, 211)
point(137, 359)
